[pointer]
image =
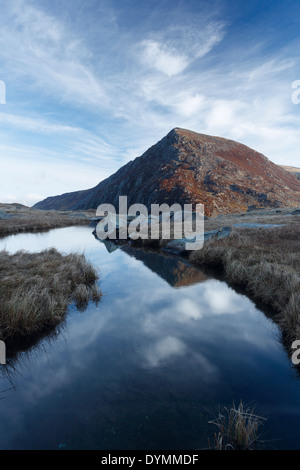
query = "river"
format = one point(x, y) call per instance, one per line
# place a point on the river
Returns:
point(150, 365)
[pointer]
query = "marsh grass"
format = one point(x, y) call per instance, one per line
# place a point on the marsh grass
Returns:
point(238, 429)
point(265, 263)
point(38, 223)
point(37, 288)
point(21, 218)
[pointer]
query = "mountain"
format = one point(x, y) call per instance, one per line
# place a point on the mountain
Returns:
point(292, 169)
point(187, 167)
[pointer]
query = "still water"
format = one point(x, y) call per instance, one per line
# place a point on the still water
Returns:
point(150, 365)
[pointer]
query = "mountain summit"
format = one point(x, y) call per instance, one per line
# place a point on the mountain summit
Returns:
point(187, 167)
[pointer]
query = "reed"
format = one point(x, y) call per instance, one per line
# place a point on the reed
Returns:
point(238, 429)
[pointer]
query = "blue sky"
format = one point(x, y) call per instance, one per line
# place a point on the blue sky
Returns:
point(92, 84)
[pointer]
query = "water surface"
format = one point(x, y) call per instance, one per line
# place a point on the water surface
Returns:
point(146, 367)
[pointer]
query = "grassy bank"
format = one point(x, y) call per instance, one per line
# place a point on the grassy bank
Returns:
point(265, 263)
point(16, 218)
point(36, 290)
point(37, 224)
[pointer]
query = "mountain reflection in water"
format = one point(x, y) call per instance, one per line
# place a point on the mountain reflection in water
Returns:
point(177, 272)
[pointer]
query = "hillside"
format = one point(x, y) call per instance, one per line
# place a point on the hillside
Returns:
point(292, 169)
point(187, 167)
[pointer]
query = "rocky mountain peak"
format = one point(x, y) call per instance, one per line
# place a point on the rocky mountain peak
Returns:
point(188, 167)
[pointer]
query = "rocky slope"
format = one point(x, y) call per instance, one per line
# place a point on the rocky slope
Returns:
point(187, 167)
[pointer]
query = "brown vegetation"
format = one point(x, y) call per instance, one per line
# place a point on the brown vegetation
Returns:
point(271, 216)
point(36, 290)
point(24, 219)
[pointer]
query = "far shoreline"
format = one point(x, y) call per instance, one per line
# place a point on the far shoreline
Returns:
point(16, 218)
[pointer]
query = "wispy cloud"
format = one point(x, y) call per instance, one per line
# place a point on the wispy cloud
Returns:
point(38, 124)
point(97, 89)
point(173, 51)
point(43, 52)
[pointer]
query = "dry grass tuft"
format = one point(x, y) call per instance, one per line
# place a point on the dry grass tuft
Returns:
point(37, 288)
point(237, 428)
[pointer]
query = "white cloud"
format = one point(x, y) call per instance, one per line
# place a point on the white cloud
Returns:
point(213, 35)
point(163, 58)
point(197, 41)
point(163, 350)
point(172, 52)
point(186, 310)
point(222, 115)
point(9, 198)
point(223, 300)
point(190, 104)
